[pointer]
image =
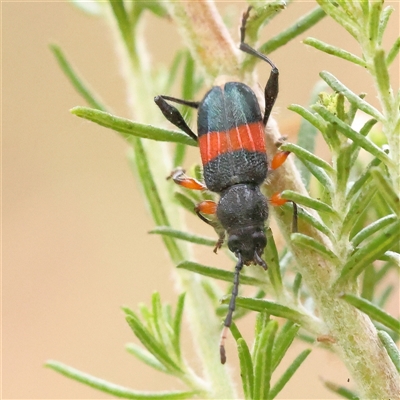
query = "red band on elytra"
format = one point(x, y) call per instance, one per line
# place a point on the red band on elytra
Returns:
point(247, 137)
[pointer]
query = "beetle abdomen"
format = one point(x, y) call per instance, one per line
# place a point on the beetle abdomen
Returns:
point(231, 137)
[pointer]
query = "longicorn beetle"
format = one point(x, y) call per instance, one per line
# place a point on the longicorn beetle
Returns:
point(230, 134)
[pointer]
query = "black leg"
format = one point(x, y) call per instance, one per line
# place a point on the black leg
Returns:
point(272, 86)
point(173, 115)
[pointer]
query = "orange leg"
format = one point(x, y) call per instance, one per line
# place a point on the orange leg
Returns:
point(179, 177)
point(210, 207)
point(277, 201)
point(279, 159)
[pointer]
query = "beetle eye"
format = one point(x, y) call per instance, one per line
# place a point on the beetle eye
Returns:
point(233, 243)
point(259, 240)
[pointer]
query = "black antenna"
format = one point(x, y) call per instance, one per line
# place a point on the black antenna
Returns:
point(232, 304)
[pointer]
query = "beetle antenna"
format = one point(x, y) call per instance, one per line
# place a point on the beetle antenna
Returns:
point(232, 304)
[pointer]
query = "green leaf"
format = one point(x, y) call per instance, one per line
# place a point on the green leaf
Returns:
point(188, 237)
point(219, 273)
point(393, 52)
point(304, 154)
point(385, 15)
point(373, 21)
point(375, 226)
point(296, 285)
point(386, 188)
point(185, 201)
point(77, 82)
point(246, 368)
point(307, 134)
point(145, 356)
point(113, 389)
point(370, 252)
point(270, 307)
point(124, 24)
point(314, 119)
point(310, 243)
point(151, 344)
point(303, 214)
point(362, 180)
point(272, 259)
point(263, 361)
point(284, 379)
point(349, 132)
point(308, 202)
point(341, 391)
point(296, 29)
point(361, 104)
point(391, 348)
point(321, 176)
point(283, 341)
point(373, 311)
point(358, 205)
point(335, 51)
point(141, 164)
point(177, 324)
point(130, 128)
point(383, 81)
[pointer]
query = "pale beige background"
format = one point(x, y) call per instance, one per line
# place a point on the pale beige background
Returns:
point(75, 246)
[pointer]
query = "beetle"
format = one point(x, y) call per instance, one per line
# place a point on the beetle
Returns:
point(230, 135)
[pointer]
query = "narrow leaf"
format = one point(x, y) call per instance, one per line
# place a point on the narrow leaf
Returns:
point(312, 118)
point(300, 26)
point(246, 368)
point(124, 24)
point(357, 207)
point(270, 307)
point(307, 201)
point(393, 52)
point(130, 128)
point(218, 273)
point(111, 388)
point(145, 356)
point(77, 82)
point(341, 391)
point(349, 132)
point(296, 285)
point(310, 243)
point(383, 80)
point(316, 223)
point(373, 311)
point(363, 180)
point(284, 379)
point(188, 237)
point(333, 50)
point(283, 341)
point(391, 348)
point(369, 230)
point(370, 252)
point(387, 190)
point(178, 324)
point(271, 257)
point(263, 361)
point(373, 22)
point(151, 344)
point(385, 15)
point(338, 86)
point(304, 154)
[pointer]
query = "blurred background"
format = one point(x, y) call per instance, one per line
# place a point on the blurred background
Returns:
point(75, 243)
